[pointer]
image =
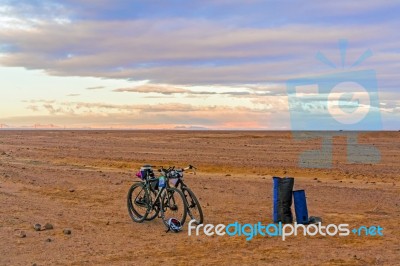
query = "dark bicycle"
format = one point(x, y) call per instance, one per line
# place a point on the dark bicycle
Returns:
point(151, 196)
point(193, 205)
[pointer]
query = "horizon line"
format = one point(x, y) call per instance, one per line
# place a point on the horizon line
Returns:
point(185, 129)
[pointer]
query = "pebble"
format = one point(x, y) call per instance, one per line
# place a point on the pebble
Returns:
point(48, 226)
point(21, 234)
point(71, 190)
point(67, 231)
point(48, 240)
point(37, 227)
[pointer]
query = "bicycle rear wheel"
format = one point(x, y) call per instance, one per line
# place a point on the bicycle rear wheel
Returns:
point(173, 205)
point(193, 205)
point(138, 202)
point(155, 208)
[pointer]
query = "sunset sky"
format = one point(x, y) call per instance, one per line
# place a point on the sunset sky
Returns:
point(190, 64)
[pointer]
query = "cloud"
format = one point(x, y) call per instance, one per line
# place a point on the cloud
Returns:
point(233, 11)
point(267, 112)
point(87, 107)
point(163, 89)
point(95, 88)
point(169, 115)
point(209, 52)
point(33, 108)
point(73, 95)
point(190, 91)
point(39, 101)
point(26, 15)
point(191, 127)
point(248, 91)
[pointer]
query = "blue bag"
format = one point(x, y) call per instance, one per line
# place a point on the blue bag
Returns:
point(300, 206)
point(275, 214)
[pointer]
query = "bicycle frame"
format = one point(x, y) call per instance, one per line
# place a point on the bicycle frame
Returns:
point(150, 188)
point(180, 183)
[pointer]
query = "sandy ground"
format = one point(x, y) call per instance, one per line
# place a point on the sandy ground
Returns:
point(38, 169)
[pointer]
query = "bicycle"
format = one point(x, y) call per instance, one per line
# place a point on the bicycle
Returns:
point(193, 205)
point(146, 173)
point(145, 202)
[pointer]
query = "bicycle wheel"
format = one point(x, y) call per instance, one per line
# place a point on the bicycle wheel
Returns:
point(173, 205)
point(193, 205)
point(138, 203)
point(155, 208)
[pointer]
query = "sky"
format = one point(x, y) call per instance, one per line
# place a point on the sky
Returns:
point(258, 65)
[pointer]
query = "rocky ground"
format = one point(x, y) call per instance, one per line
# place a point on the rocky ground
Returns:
point(76, 181)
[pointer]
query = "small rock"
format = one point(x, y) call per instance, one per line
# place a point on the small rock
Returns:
point(48, 240)
point(108, 223)
point(315, 178)
point(21, 234)
point(48, 226)
point(228, 175)
point(37, 227)
point(71, 190)
point(34, 264)
point(67, 231)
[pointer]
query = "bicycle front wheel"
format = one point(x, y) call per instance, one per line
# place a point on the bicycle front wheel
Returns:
point(173, 205)
point(193, 205)
point(138, 202)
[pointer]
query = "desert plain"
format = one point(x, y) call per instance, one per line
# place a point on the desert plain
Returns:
point(78, 180)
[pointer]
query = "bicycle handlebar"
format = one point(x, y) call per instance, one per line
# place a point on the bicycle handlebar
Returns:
point(171, 168)
point(189, 167)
